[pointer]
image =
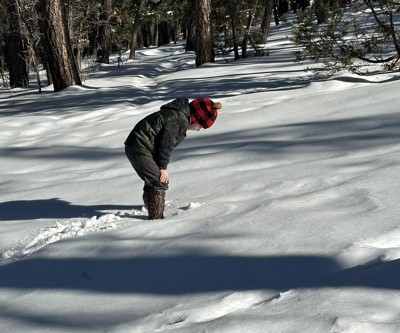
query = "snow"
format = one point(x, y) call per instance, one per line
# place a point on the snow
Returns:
point(282, 217)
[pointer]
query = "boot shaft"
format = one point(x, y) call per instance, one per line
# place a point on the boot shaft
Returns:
point(156, 204)
point(146, 200)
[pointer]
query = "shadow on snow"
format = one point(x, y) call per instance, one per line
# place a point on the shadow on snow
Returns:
point(340, 136)
point(53, 208)
point(194, 273)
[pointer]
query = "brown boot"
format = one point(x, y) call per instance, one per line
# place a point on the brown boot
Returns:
point(156, 204)
point(146, 200)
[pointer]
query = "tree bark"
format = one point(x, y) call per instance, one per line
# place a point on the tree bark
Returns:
point(15, 50)
point(276, 13)
point(105, 32)
point(135, 29)
point(204, 47)
point(267, 18)
point(235, 39)
point(57, 44)
point(191, 36)
point(233, 10)
point(251, 13)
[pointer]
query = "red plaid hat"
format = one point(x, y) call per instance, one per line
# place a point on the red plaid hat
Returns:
point(204, 111)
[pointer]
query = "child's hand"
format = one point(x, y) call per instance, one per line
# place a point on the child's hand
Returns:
point(164, 176)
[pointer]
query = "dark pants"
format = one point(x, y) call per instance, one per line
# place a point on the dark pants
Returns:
point(147, 169)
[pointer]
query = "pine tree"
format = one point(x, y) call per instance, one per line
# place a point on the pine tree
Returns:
point(202, 20)
point(105, 32)
point(57, 45)
point(15, 48)
point(353, 37)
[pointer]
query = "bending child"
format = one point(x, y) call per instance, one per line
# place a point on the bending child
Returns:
point(150, 143)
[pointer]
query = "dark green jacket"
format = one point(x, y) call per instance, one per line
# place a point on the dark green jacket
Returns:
point(160, 132)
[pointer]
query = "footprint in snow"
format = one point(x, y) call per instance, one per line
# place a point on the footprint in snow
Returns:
point(70, 228)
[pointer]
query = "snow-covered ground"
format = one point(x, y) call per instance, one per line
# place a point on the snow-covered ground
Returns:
point(282, 217)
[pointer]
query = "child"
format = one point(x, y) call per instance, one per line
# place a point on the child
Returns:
point(150, 143)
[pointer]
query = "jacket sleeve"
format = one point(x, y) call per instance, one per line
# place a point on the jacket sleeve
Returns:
point(172, 135)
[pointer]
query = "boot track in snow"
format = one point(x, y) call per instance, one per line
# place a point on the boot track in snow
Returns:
point(76, 227)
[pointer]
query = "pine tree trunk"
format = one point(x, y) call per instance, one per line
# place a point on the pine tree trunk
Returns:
point(135, 29)
point(235, 42)
point(57, 44)
point(267, 18)
point(251, 13)
point(276, 13)
point(45, 60)
point(15, 51)
point(204, 47)
point(152, 32)
point(233, 13)
point(191, 36)
point(105, 32)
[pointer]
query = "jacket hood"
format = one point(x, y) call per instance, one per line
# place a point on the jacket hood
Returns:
point(179, 104)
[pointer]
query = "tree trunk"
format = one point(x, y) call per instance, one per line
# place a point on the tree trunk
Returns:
point(204, 47)
point(57, 44)
point(234, 37)
point(16, 51)
point(233, 9)
point(276, 13)
point(2, 61)
point(251, 13)
point(165, 36)
point(176, 31)
point(135, 29)
point(105, 32)
point(152, 33)
point(93, 37)
point(156, 33)
point(191, 36)
point(267, 18)
point(45, 61)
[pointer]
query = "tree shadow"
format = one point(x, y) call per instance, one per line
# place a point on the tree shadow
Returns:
point(53, 208)
point(194, 273)
point(168, 276)
point(63, 152)
point(375, 274)
point(341, 135)
point(80, 99)
point(186, 274)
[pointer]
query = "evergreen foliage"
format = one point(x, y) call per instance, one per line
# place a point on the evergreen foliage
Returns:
point(335, 33)
point(353, 36)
